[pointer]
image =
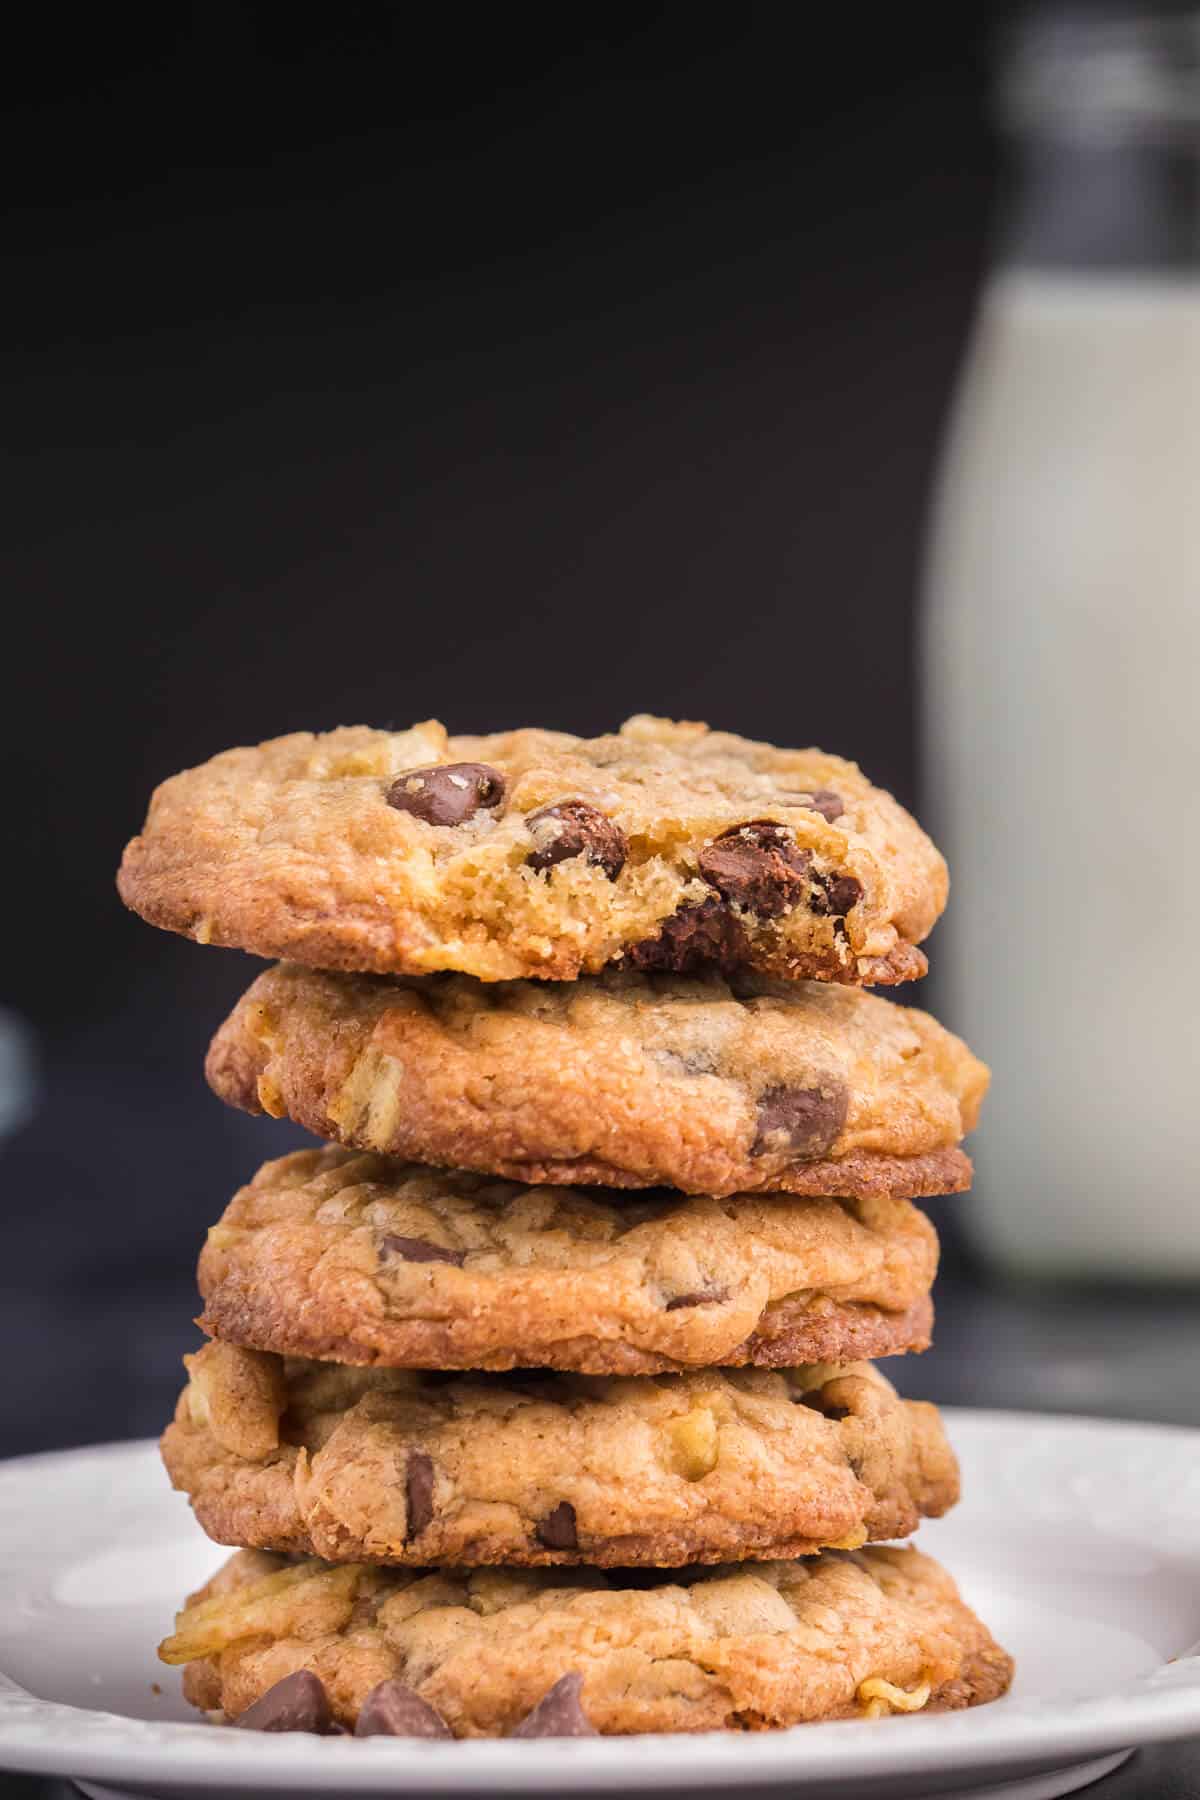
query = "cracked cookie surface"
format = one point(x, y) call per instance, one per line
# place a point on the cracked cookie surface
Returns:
point(392, 1466)
point(625, 1080)
point(534, 853)
point(356, 1258)
point(842, 1635)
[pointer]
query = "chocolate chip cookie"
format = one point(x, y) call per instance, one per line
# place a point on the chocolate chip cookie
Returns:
point(533, 853)
point(622, 1079)
point(839, 1636)
point(392, 1466)
point(360, 1259)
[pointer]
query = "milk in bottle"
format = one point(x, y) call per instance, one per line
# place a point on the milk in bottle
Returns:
point(1061, 666)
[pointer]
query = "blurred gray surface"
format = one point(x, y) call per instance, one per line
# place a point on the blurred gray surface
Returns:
point(1119, 1353)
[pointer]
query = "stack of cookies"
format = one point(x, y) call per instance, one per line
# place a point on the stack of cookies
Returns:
point(538, 1399)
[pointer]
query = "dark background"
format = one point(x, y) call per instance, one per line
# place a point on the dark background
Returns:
point(365, 367)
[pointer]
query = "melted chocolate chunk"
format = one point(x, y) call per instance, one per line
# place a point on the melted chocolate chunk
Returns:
point(696, 937)
point(559, 1712)
point(418, 1492)
point(802, 1121)
point(419, 1250)
point(758, 865)
point(557, 1530)
point(827, 803)
point(297, 1703)
point(705, 1297)
point(573, 828)
point(446, 793)
point(393, 1709)
point(835, 894)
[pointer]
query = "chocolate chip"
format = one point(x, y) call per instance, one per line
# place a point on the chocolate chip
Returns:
point(419, 1250)
point(418, 1492)
point(825, 802)
point(557, 1530)
point(297, 1703)
point(393, 1709)
point(703, 936)
point(758, 865)
point(803, 1121)
point(573, 828)
point(703, 1297)
point(447, 793)
point(835, 894)
point(559, 1712)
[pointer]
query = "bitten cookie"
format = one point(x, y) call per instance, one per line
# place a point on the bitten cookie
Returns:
point(839, 1636)
point(385, 1465)
point(625, 1080)
point(360, 1259)
point(665, 845)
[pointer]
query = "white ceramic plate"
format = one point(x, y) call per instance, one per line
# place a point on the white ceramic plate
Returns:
point(1078, 1541)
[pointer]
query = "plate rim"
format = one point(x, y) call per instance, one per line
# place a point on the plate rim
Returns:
point(110, 1748)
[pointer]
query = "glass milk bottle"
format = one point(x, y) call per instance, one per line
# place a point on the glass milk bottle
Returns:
point(1060, 664)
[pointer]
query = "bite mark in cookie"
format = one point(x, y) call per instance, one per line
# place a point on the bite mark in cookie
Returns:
point(537, 854)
